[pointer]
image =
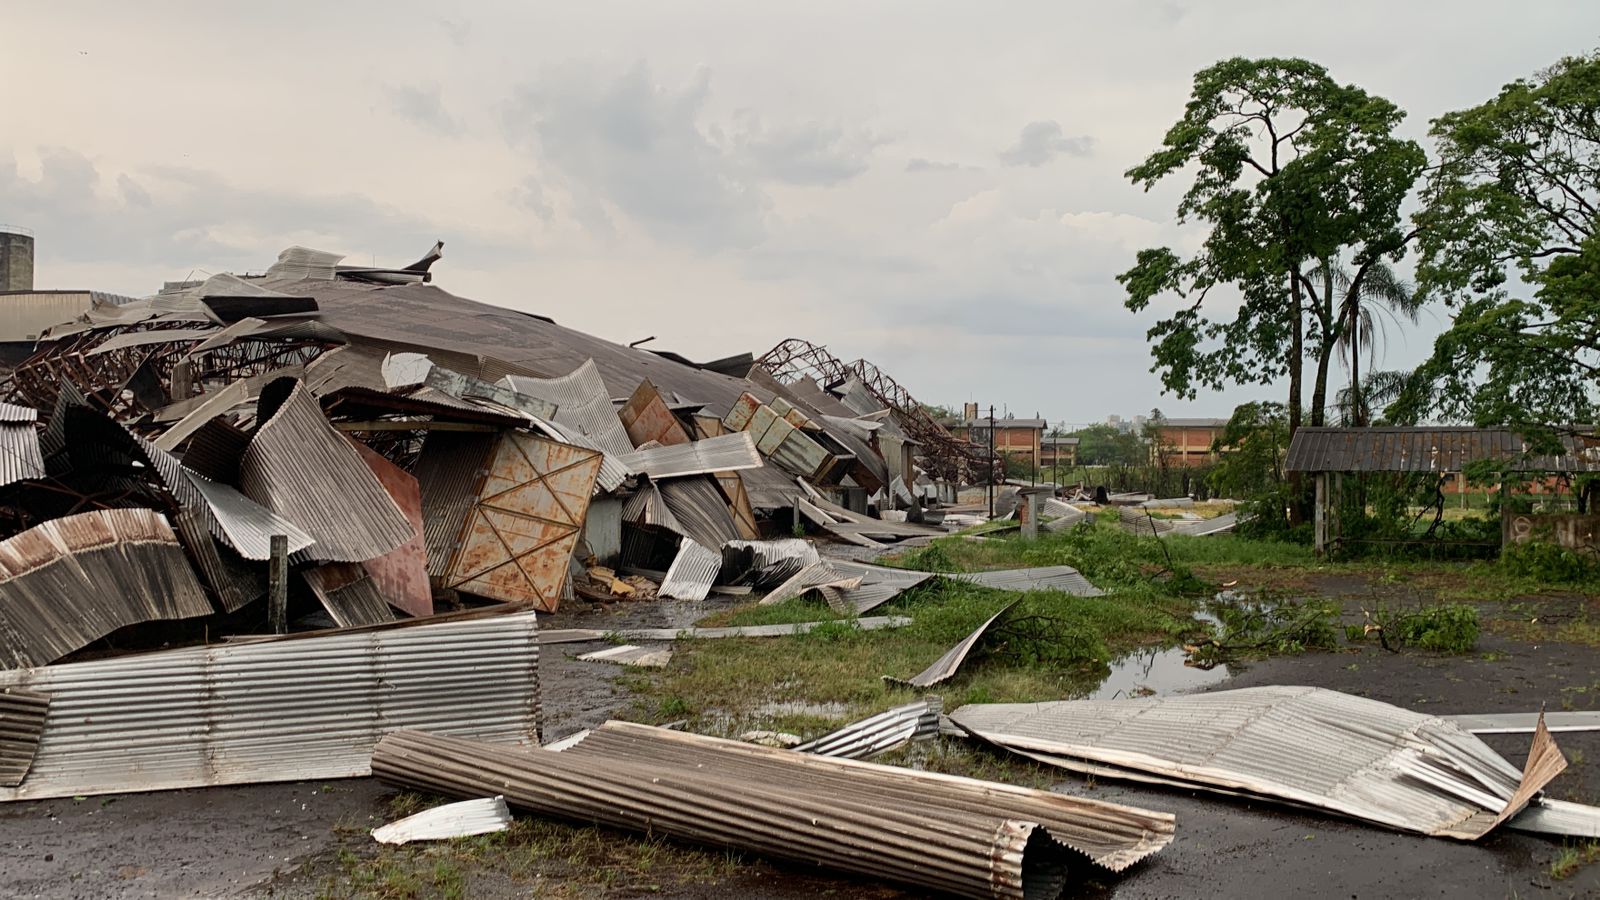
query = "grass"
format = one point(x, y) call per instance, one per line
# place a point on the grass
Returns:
point(1574, 857)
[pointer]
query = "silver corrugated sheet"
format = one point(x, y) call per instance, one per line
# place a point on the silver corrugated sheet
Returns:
point(233, 582)
point(879, 585)
point(700, 509)
point(22, 715)
point(1527, 723)
point(1306, 746)
point(449, 470)
point(945, 667)
point(647, 507)
point(572, 635)
point(1061, 515)
point(724, 453)
point(20, 456)
point(767, 562)
point(240, 522)
point(881, 733)
point(693, 572)
point(12, 414)
point(770, 487)
point(631, 655)
point(277, 710)
point(452, 820)
point(1430, 449)
point(1547, 816)
point(1039, 578)
point(145, 338)
point(813, 577)
point(940, 833)
point(582, 402)
point(71, 581)
point(349, 594)
point(299, 467)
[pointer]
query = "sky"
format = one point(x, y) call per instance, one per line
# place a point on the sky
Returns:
point(935, 187)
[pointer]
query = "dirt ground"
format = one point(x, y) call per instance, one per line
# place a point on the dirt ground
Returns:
point(279, 840)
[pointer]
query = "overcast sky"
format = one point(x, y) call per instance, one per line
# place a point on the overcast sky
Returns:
point(936, 187)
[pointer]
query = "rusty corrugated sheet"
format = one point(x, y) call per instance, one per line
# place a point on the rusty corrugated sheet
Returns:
point(401, 575)
point(299, 467)
point(1306, 746)
point(646, 417)
point(945, 667)
point(939, 833)
point(449, 470)
point(525, 521)
point(68, 582)
point(348, 593)
point(22, 715)
point(1428, 449)
point(287, 709)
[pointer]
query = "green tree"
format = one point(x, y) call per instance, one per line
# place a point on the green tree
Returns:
point(1509, 239)
point(1104, 445)
point(1290, 169)
point(1360, 311)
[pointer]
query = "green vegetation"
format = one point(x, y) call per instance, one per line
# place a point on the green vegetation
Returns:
point(1549, 562)
point(1574, 857)
point(1269, 625)
point(1445, 628)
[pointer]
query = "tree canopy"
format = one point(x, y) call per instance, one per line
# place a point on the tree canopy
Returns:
point(1509, 238)
point(1290, 170)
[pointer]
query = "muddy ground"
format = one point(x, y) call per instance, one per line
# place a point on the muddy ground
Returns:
point(281, 840)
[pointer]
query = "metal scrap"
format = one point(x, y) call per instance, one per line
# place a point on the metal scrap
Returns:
point(20, 457)
point(451, 820)
point(1305, 746)
point(286, 709)
point(22, 715)
point(939, 833)
point(70, 581)
point(818, 575)
point(694, 570)
point(876, 735)
point(349, 594)
point(631, 655)
point(1527, 723)
point(944, 668)
point(725, 453)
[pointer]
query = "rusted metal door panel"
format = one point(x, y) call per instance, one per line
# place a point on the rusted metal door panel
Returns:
point(647, 418)
point(521, 531)
point(744, 517)
point(739, 416)
point(401, 575)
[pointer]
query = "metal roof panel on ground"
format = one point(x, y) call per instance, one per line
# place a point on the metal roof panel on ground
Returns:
point(881, 733)
point(297, 462)
point(938, 832)
point(70, 581)
point(866, 623)
point(1306, 746)
point(1038, 578)
point(452, 820)
point(817, 575)
point(286, 709)
point(694, 570)
point(944, 668)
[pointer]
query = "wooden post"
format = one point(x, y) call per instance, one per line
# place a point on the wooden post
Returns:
point(278, 585)
point(1320, 515)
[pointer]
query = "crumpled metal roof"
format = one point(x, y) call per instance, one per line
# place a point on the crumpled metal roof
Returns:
point(286, 709)
point(692, 573)
point(724, 453)
point(944, 668)
point(700, 509)
point(816, 576)
point(940, 833)
point(452, 820)
point(581, 402)
point(70, 581)
point(881, 733)
point(1307, 746)
point(298, 466)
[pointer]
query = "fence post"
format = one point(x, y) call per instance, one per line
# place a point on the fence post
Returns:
point(278, 585)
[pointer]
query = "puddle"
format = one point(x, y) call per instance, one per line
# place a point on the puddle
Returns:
point(1154, 673)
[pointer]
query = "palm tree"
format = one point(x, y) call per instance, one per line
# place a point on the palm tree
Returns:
point(1360, 318)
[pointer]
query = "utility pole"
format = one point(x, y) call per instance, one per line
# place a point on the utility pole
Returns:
point(991, 460)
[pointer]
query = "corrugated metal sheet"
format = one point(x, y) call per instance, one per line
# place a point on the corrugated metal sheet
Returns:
point(744, 515)
point(694, 570)
point(297, 464)
point(612, 472)
point(646, 507)
point(602, 530)
point(1548, 816)
point(530, 507)
point(68, 582)
point(449, 470)
point(813, 577)
point(945, 667)
point(730, 452)
point(348, 593)
point(940, 833)
point(630, 655)
point(646, 417)
point(146, 338)
point(1307, 746)
point(27, 316)
point(581, 402)
point(879, 585)
point(767, 562)
point(700, 509)
point(304, 707)
point(20, 456)
point(1443, 449)
point(1060, 515)
point(242, 523)
point(770, 487)
point(1039, 578)
point(1527, 723)
point(12, 414)
point(874, 735)
point(452, 820)
point(233, 582)
point(571, 635)
point(22, 715)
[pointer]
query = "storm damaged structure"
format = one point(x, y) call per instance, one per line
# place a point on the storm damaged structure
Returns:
point(356, 452)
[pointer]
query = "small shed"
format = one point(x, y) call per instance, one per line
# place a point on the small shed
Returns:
point(1327, 454)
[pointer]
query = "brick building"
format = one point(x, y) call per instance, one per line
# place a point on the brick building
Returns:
point(1019, 439)
point(1186, 442)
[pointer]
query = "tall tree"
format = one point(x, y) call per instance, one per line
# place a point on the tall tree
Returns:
point(1510, 240)
point(1290, 168)
point(1358, 317)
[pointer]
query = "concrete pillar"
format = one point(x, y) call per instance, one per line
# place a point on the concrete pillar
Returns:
point(1320, 520)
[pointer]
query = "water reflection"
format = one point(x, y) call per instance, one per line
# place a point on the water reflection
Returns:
point(1149, 673)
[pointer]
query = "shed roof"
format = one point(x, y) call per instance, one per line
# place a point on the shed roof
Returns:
point(1430, 449)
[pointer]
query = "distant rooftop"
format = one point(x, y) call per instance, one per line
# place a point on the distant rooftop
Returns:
point(1191, 423)
point(983, 422)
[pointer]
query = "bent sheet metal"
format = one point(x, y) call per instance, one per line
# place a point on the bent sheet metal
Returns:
point(940, 833)
point(1306, 746)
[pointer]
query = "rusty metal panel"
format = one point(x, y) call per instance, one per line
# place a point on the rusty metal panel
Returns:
point(744, 516)
point(774, 434)
point(233, 582)
point(942, 834)
point(707, 426)
point(803, 456)
point(648, 418)
point(760, 420)
point(299, 467)
point(70, 581)
point(401, 575)
point(738, 418)
point(529, 511)
point(285, 709)
point(22, 715)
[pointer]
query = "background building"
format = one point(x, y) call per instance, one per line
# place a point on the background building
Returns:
point(1186, 442)
point(1015, 439)
point(1057, 451)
